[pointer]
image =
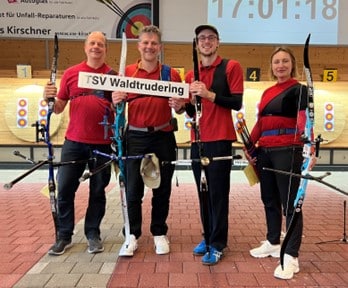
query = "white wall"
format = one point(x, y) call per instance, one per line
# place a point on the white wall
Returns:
point(178, 18)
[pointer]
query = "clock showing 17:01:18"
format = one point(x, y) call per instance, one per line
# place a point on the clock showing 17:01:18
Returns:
point(275, 21)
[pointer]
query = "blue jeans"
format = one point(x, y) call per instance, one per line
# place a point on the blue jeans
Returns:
point(68, 183)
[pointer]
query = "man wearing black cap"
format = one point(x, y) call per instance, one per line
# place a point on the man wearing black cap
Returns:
point(221, 90)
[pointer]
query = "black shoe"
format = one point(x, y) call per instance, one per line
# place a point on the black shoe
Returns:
point(95, 246)
point(59, 247)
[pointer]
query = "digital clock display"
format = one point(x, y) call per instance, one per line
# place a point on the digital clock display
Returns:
point(279, 21)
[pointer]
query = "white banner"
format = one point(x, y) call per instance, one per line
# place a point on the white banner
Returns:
point(73, 19)
point(133, 85)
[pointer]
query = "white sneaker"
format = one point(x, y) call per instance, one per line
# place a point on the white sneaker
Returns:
point(265, 250)
point(291, 267)
point(128, 249)
point(161, 244)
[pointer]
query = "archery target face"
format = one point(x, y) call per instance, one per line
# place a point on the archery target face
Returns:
point(133, 20)
point(24, 108)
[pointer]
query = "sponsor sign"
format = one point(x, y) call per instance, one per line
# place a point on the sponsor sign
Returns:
point(73, 19)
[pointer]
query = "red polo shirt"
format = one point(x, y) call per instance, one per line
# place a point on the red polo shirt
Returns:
point(86, 110)
point(148, 110)
point(216, 122)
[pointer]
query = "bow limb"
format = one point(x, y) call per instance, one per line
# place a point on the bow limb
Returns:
point(308, 152)
point(53, 76)
point(120, 121)
point(198, 100)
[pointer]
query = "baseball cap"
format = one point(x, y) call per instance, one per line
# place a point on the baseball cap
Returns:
point(150, 171)
point(206, 26)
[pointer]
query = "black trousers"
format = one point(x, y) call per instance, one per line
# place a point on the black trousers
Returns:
point(278, 191)
point(68, 182)
point(163, 144)
point(218, 179)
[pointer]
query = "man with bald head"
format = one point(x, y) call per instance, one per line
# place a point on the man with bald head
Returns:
point(83, 135)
